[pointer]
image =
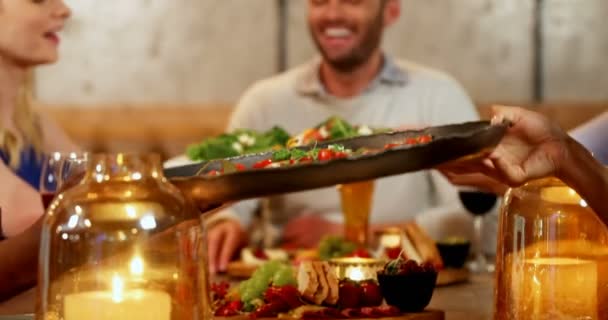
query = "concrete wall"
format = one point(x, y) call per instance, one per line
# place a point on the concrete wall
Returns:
point(209, 51)
point(142, 51)
point(576, 56)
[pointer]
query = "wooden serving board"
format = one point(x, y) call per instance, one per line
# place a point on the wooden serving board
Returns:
point(448, 277)
point(425, 315)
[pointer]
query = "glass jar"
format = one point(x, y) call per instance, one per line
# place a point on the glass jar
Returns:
point(123, 244)
point(552, 256)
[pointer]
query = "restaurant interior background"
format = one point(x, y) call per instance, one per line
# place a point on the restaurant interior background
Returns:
point(156, 75)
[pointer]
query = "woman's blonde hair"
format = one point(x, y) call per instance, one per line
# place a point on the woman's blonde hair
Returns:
point(26, 122)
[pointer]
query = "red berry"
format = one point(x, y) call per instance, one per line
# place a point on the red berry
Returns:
point(371, 295)
point(260, 254)
point(349, 295)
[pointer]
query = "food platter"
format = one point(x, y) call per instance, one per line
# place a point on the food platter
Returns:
point(425, 315)
point(446, 277)
point(449, 143)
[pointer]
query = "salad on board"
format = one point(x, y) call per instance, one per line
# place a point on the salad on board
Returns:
point(245, 141)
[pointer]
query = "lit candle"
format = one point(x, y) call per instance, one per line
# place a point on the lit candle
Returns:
point(356, 269)
point(556, 288)
point(355, 274)
point(118, 304)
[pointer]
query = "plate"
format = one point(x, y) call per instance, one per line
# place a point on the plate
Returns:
point(449, 143)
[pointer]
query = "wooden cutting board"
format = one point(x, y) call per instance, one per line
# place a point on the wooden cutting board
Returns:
point(448, 277)
point(425, 315)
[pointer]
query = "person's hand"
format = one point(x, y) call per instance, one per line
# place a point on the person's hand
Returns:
point(306, 230)
point(533, 147)
point(478, 181)
point(224, 238)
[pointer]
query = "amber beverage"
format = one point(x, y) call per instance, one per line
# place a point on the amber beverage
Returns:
point(356, 206)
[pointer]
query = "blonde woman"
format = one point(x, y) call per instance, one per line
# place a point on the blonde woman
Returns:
point(28, 38)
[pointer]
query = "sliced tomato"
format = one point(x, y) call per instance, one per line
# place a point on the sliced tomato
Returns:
point(312, 136)
point(213, 173)
point(306, 159)
point(340, 155)
point(240, 167)
point(325, 155)
point(391, 146)
point(262, 164)
point(425, 138)
point(411, 141)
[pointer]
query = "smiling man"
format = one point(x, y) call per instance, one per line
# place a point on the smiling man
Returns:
point(355, 79)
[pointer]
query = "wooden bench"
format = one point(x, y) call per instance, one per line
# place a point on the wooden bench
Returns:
point(168, 129)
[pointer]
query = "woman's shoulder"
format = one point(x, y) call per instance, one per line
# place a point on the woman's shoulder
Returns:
point(54, 136)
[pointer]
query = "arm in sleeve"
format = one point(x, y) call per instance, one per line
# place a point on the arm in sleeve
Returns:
point(594, 135)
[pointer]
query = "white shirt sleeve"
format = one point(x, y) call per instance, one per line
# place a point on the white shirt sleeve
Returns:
point(594, 136)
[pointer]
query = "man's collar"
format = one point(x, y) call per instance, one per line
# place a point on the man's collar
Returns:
point(309, 81)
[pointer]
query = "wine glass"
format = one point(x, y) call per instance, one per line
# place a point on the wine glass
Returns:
point(59, 172)
point(478, 204)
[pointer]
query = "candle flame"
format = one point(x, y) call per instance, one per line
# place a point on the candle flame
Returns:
point(356, 274)
point(117, 289)
point(137, 266)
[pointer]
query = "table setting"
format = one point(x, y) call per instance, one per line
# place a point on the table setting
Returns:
point(127, 241)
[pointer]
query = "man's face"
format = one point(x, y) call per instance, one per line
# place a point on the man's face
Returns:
point(346, 32)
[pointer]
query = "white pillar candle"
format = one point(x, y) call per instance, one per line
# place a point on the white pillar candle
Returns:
point(118, 304)
point(556, 288)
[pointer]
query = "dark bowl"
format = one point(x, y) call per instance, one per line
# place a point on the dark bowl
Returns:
point(411, 292)
point(454, 255)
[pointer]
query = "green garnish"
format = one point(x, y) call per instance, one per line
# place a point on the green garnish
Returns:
point(239, 142)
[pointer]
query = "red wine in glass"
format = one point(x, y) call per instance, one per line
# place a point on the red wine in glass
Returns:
point(478, 204)
point(47, 197)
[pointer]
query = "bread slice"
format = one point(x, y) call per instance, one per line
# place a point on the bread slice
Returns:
point(424, 244)
point(409, 250)
point(308, 281)
point(323, 288)
point(332, 283)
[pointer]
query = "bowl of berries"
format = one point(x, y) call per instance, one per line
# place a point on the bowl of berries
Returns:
point(407, 285)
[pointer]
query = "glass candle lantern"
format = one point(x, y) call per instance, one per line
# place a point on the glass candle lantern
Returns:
point(123, 244)
point(552, 257)
point(356, 269)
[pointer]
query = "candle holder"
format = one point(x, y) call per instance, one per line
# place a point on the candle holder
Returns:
point(389, 243)
point(356, 269)
point(123, 244)
point(552, 258)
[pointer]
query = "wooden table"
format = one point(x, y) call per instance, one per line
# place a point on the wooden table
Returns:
point(468, 301)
